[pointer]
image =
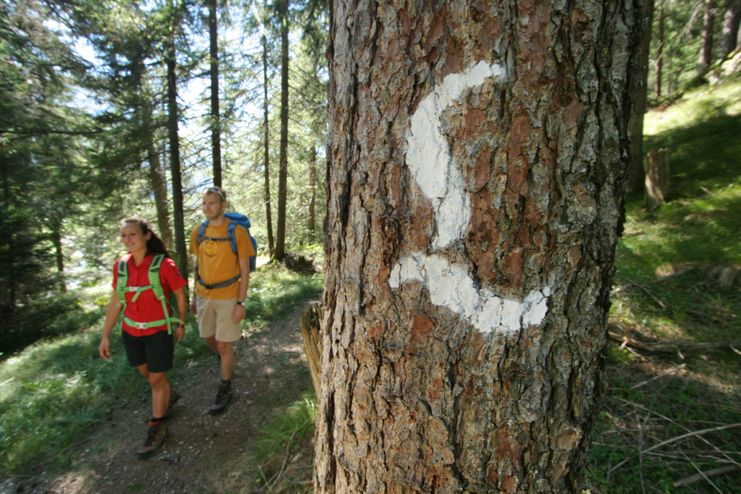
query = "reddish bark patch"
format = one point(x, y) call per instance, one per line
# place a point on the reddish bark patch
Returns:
point(483, 235)
point(478, 177)
point(512, 268)
point(422, 326)
point(486, 40)
point(454, 57)
point(433, 391)
point(473, 118)
point(420, 227)
point(374, 332)
point(435, 32)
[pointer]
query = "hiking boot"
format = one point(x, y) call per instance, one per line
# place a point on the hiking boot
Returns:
point(223, 397)
point(156, 434)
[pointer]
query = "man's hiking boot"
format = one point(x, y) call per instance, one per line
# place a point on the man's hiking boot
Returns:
point(156, 434)
point(223, 397)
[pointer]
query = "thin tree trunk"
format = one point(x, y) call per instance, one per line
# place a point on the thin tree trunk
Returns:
point(731, 21)
point(280, 241)
point(172, 127)
point(635, 170)
point(312, 193)
point(659, 50)
point(56, 236)
point(8, 240)
point(157, 179)
point(214, 71)
point(706, 51)
point(474, 204)
point(266, 147)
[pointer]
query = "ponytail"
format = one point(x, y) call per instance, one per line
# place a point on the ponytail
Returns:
point(155, 245)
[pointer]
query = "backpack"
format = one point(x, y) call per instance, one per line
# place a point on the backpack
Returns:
point(154, 284)
point(235, 220)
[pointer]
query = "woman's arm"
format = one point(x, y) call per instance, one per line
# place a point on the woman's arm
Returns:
point(111, 315)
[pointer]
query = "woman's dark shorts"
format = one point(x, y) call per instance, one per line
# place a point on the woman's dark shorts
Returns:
point(156, 350)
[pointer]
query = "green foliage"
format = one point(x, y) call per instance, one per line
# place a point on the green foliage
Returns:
point(668, 288)
point(295, 423)
point(276, 291)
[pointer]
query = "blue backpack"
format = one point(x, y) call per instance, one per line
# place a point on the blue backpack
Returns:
point(235, 220)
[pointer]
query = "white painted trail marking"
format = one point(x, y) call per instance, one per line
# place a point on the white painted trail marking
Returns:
point(429, 160)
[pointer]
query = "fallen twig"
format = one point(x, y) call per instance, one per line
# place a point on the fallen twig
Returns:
point(677, 438)
point(647, 292)
point(701, 473)
point(706, 475)
point(614, 334)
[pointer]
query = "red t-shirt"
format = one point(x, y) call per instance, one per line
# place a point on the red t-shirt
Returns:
point(147, 307)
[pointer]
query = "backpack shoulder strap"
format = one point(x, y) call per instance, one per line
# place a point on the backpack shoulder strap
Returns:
point(122, 278)
point(232, 236)
point(201, 232)
point(154, 275)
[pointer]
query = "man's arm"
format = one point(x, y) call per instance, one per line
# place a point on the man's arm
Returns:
point(244, 283)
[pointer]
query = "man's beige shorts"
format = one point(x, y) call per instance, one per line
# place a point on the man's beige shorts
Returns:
point(215, 319)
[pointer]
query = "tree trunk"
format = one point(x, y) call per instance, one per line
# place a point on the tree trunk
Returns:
point(266, 147)
point(731, 22)
point(312, 337)
point(9, 258)
point(56, 236)
point(659, 50)
point(706, 51)
point(635, 169)
point(213, 33)
point(312, 193)
point(158, 181)
point(475, 199)
point(657, 178)
point(172, 127)
point(280, 241)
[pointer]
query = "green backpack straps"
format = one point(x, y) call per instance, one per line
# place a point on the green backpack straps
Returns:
point(155, 284)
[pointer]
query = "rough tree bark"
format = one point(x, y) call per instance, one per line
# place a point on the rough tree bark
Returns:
point(172, 130)
point(213, 36)
point(280, 236)
point(731, 21)
point(312, 194)
point(706, 49)
point(659, 63)
point(634, 182)
point(475, 199)
point(658, 176)
point(266, 144)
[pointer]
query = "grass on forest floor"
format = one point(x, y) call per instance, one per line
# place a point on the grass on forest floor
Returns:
point(671, 422)
point(56, 391)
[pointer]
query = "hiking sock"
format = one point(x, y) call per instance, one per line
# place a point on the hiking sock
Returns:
point(155, 421)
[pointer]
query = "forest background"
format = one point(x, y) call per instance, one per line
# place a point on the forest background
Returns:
point(123, 108)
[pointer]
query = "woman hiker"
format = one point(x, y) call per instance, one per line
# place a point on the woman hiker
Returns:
point(143, 280)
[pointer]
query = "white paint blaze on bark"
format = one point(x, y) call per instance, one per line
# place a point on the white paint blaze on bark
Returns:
point(441, 180)
point(451, 286)
point(428, 155)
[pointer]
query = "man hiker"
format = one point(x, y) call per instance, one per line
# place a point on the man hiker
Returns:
point(222, 277)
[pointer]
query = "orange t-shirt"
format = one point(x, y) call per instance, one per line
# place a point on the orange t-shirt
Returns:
point(217, 262)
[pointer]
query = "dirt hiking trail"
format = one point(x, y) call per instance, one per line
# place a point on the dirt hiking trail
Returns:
point(203, 453)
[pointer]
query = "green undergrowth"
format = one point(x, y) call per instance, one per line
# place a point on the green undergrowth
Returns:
point(283, 435)
point(56, 391)
point(669, 421)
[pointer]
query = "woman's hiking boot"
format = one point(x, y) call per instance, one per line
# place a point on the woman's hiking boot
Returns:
point(156, 434)
point(223, 397)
